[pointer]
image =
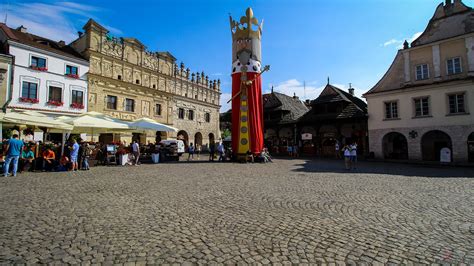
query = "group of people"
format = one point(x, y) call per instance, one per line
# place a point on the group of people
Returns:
point(20, 156)
point(223, 153)
point(350, 154)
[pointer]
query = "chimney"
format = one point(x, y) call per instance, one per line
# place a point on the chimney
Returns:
point(351, 90)
point(79, 33)
point(295, 97)
point(62, 43)
point(22, 29)
point(406, 45)
point(448, 3)
point(307, 101)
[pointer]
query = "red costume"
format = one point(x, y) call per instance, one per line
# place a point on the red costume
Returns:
point(247, 107)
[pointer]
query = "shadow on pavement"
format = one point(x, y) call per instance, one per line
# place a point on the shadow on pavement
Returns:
point(364, 167)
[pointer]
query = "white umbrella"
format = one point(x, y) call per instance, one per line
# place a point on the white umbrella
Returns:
point(150, 124)
point(34, 119)
point(93, 121)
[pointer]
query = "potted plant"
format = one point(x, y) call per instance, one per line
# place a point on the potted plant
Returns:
point(74, 76)
point(77, 106)
point(28, 100)
point(39, 68)
point(55, 103)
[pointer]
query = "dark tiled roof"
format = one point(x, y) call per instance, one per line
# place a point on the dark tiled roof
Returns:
point(353, 107)
point(39, 42)
point(291, 107)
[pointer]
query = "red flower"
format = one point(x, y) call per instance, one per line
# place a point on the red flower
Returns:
point(74, 76)
point(77, 106)
point(55, 103)
point(39, 68)
point(28, 100)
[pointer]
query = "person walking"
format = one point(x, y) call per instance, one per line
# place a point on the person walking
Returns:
point(74, 154)
point(86, 152)
point(136, 152)
point(13, 150)
point(338, 152)
point(221, 150)
point(347, 156)
point(191, 152)
point(353, 154)
point(212, 151)
point(198, 150)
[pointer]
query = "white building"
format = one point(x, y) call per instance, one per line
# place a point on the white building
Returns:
point(48, 76)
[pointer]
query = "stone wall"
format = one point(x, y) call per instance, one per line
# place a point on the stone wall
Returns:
point(458, 134)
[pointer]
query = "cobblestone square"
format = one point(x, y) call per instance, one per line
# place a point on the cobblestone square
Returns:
point(290, 211)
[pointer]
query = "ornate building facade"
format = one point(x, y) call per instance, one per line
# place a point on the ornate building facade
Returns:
point(127, 81)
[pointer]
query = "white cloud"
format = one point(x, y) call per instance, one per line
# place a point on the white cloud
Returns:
point(294, 86)
point(216, 74)
point(399, 43)
point(309, 92)
point(51, 21)
point(224, 105)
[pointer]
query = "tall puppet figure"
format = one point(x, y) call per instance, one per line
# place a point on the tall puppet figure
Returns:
point(247, 107)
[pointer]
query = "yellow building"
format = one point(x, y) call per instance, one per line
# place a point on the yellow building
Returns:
point(127, 81)
point(423, 107)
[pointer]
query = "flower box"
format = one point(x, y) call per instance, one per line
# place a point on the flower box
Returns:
point(74, 76)
point(39, 68)
point(28, 100)
point(77, 106)
point(55, 103)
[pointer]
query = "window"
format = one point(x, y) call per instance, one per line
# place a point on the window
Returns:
point(29, 90)
point(207, 117)
point(391, 110)
point(422, 107)
point(195, 96)
point(77, 97)
point(181, 113)
point(38, 61)
point(111, 102)
point(422, 72)
point(158, 109)
point(137, 81)
point(71, 70)
point(454, 66)
point(191, 115)
point(119, 77)
point(456, 103)
point(55, 94)
point(154, 86)
point(130, 105)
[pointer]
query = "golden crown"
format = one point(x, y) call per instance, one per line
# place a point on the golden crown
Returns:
point(243, 29)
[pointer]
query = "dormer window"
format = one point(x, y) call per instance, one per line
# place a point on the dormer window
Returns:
point(422, 72)
point(137, 81)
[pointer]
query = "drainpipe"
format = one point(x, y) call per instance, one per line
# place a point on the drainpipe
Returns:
point(9, 88)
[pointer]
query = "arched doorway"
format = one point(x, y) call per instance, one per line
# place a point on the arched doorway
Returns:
point(470, 147)
point(211, 139)
point(198, 139)
point(328, 148)
point(431, 144)
point(183, 135)
point(395, 146)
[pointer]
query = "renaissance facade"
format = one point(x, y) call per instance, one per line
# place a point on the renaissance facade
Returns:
point(128, 82)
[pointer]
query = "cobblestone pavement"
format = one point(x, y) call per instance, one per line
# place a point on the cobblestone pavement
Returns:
point(291, 211)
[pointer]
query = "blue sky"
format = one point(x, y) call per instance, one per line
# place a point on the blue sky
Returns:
point(351, 41)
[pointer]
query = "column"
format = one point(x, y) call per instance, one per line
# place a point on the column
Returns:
point(406, 58)
point(436, 62)
point(470, 55)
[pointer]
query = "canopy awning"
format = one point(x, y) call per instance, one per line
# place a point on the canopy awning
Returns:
point(31, 118)
point(150, 124)
point(93, 121)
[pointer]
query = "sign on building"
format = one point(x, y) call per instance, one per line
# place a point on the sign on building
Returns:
point(445, 155)
point(306, 136)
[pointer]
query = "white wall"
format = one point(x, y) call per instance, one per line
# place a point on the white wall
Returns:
point(54, 76)
point(439, 110)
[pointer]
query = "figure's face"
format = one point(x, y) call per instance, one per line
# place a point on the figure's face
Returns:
point(243, 44)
